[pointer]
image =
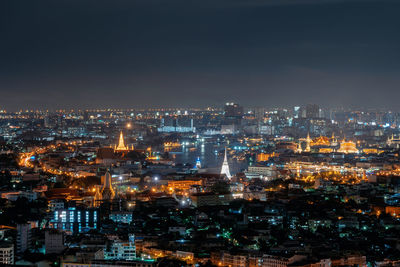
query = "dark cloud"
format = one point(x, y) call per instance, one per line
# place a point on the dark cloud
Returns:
point(87, 53)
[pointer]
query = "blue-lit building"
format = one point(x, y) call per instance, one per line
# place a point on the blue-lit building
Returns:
point(198, 163)
point(121, 217)
point(180, 124)
point(74, 220)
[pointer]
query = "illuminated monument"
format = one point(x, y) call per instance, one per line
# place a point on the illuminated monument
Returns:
point(393, 141)
point(106, 193)
point(347, 147)
point(321, 141)
point(323, 144)
point(308, 142)
point(299, 150)
point(225, 167)
point(334, 141)
point(121, 144)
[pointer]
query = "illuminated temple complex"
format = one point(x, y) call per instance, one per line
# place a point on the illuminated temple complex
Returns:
point(323, 144)
point(393, 141)
point(121, 147)
point(321, 141)
point(347, 147)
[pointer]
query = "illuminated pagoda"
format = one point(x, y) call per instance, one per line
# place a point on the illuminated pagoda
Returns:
point(121, 144)
point(299, 150)
point(347, 147)
point(334, 141)
point(106, 193)
point(393, 141)
point(308, 142)
point(225, 167)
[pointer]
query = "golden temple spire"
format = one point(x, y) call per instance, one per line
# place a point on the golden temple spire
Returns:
point(299, 150)
point(121, 143)
point(308, 141)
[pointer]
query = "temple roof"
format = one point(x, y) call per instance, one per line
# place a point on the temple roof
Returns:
point(321, 141)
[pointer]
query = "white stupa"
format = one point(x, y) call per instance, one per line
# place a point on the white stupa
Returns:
point(225, 167)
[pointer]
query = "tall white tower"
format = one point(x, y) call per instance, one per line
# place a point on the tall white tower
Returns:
point(225, 167)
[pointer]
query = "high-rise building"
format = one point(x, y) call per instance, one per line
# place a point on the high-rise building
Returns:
point(259, 114)
point(23, 237)
point(86, 116)
point(312, 111)
point(180, 124)
point(233, 110)
point(296, 112)
point(47, 121)
point(6, 253)
point(54, 241)
point(233, 114)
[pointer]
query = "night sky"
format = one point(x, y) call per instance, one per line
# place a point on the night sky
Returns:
point(151, 53)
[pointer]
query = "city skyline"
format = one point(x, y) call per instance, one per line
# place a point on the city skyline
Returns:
point(200, 187)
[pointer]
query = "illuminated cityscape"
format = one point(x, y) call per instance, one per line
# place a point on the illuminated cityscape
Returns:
point(106, 187)
point(235, 133)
